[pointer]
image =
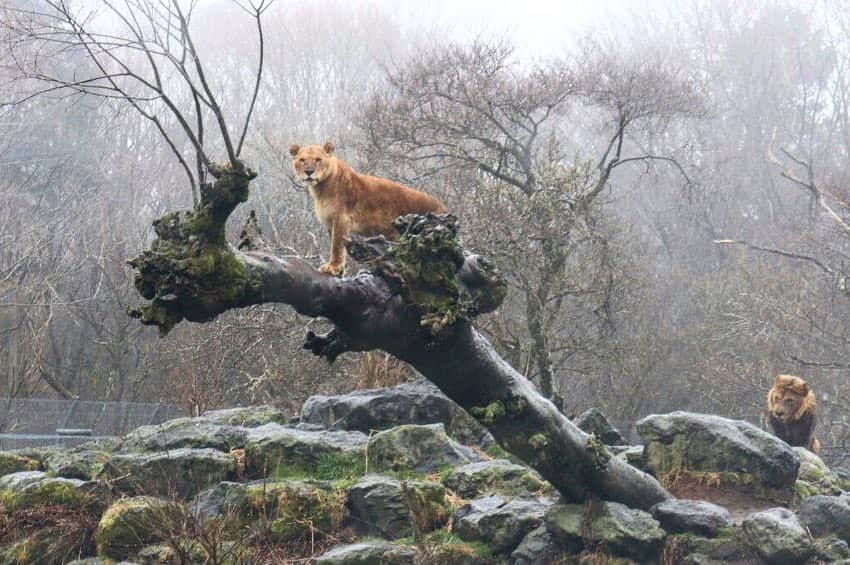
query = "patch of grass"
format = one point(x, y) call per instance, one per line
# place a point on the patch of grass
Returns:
point(329, 467)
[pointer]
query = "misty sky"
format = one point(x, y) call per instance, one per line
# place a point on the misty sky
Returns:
point(538, 27)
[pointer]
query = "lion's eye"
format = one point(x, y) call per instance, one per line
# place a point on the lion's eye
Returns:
point(318, 161)
point(303, 161)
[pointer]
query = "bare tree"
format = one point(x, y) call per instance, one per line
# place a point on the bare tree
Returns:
point(138, 52)
point(476, 109)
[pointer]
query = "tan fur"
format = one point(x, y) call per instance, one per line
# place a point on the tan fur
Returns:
point(791, 401)
point(348, 202)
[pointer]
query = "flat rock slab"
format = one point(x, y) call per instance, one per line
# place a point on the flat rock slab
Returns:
point(500, 523)
point(422, 449)
point(247, 417)
point(623, 531)
point(680, 515)
point(368, 553)
point(272, 448)
point(419, 402)
point(499, 475)
point(778, 536)
point(734, 450)
point(176, 473)
point(384, 506)
point(185, 432)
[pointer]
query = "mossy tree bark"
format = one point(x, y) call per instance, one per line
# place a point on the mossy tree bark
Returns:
point(416, 302)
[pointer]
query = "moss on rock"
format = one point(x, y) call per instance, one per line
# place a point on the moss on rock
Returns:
point(133, 523)
point(12, 463)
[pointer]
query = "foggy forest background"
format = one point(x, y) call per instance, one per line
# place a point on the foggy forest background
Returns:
point(669, 199)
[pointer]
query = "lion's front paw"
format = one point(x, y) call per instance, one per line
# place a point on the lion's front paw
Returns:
point(331, 269)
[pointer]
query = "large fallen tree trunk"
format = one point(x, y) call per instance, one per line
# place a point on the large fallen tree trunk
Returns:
point(415, 303)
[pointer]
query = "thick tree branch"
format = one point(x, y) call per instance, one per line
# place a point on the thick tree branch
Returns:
point(417, 303)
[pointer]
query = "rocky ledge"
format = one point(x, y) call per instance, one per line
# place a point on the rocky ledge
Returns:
point(402, 475)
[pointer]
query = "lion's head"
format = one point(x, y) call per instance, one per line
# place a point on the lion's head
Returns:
point(789, 398)
point(313, 163)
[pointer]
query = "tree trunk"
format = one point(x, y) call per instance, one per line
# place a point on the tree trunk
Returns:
point(416, 303)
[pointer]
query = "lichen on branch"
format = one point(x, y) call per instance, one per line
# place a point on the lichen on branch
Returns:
point(190, 271)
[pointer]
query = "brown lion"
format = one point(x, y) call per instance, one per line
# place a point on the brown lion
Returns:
point(792, 412)
point(348, 202)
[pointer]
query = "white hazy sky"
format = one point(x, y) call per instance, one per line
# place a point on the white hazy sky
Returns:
point(538, 27)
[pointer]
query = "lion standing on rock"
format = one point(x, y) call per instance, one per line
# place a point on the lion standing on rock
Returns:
point(348, 202)
point(792, 412)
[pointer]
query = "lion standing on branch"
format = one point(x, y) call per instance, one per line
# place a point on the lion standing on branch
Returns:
point(348, 202)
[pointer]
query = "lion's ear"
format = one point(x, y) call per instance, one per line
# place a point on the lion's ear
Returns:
point(294, 149)
point(329, 147)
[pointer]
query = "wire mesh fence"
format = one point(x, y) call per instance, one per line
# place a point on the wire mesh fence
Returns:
point(41, 422)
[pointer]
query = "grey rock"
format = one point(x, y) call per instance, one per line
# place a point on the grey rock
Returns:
point(538, 547)
point(386, 507)
point(814, 476)
point(681, 515)
point(185, 432)
point(498, 475)
point(702, 443)
point(175, 473)
point(423, 449)
point(247, 417)
point(631, 454)
point(224, 498)
point(831, 549)
point(593, 421)
point(777, 536)
point(622, 530)
point(419, 402)
point(500, 523)
point(272, 446)
point(825, 515)
point(368, 553)
point(79, 462)
point(16, 482)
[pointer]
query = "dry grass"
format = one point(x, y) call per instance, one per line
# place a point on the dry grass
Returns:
point(374, 369)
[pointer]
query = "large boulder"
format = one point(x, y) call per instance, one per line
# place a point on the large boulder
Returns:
point(621, 530)
point(368, 553)
point(826, 515)
point(185, 432)
point(500, 523)
point(419, 402)
point(729, 451)
point(422, 449)
point(130, 524)
point(175, 473)
point(275, 450)
point(698, 516)
point(498, 475)
point(390, 508)
point(594, 422)
point(776, 534)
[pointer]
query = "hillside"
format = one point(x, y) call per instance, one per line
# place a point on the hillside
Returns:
point(403, 475)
